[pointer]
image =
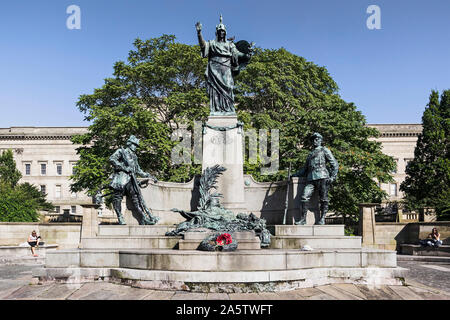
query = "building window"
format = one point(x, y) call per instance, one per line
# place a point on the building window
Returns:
point(393, 189)
point(27, 169)
point(43, 189)
point(57, 209)
point(74, 170)
point(59, 169)
point(73, 209)
point(58, 192)
point(43, 169)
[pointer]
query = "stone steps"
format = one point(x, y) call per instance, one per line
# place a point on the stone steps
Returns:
point(143, 256)
point(315, 242)
point(244, 260)
point(307, 230)
point(315, 236)
point(130, 242)
point(244, 244)
point(26, 250)
point(217, 281)
point(23, 260)
point(131, 230)
point(418, 250)
point(246, 239)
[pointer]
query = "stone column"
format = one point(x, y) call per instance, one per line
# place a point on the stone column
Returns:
point(89, 226)
point(367, 223)
point(223, 146)
point(400, 215)
point(421, 214)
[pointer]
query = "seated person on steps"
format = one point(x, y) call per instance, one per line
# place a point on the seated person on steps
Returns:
point(33, 241)
point(433, 239)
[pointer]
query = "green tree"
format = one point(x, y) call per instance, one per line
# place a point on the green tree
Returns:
point(280, 90)
point(162, 87)
point(8, 171)
point(19, 202)
point(427, 183)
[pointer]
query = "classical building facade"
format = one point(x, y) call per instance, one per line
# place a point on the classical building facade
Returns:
point(399, 142)
point(46, 158)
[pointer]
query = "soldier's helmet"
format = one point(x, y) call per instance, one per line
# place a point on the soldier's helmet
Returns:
point(133, 140)
point(316, 135)
point(221, 26)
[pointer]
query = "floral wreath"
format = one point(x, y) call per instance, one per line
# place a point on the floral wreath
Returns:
point(218, 242)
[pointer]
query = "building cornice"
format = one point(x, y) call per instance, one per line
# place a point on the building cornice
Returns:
point(40, 133)
point(35, 137)
point(66, 133)
point(397, 130)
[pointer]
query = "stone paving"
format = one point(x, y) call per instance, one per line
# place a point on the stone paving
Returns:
point(16, 283)
point(432, 274)
point(425, 281)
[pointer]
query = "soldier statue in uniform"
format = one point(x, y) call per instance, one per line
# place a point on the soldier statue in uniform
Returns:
point(318, 177)
point(124, 182)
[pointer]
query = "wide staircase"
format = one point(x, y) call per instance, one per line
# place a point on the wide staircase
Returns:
point(313, 236)
point(299, 256)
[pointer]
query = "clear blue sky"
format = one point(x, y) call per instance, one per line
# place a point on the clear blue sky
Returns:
point(387, 73)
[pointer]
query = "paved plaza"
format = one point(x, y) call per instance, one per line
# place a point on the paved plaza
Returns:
point(424, 281)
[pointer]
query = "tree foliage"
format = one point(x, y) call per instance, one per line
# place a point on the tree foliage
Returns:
point(8, 171)
point(158, 90)
point(19, 202)
point(280, 90)
point(162, 87)
point(427, 183)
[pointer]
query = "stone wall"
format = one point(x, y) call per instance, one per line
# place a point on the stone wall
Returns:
point(264, 199)
point(65, 235)
point(390, 235)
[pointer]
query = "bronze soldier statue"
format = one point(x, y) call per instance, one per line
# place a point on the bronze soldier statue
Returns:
point(317, 177)
point(124, 182)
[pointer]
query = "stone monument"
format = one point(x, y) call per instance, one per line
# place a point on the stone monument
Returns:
point(222, 140)
point(211, 215)
point(300, 255)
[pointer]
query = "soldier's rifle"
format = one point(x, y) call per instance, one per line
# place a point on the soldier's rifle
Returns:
point(287, 194)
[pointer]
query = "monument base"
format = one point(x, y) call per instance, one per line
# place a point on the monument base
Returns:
point(246, 240)
point(142, 256)
point(223, 145)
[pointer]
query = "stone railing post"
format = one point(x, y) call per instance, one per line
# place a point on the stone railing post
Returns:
point(367, 223)
point(400, 215)
point(89, 226)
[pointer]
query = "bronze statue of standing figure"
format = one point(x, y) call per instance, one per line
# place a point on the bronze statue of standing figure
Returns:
point(124, 182)
point(318, 177)
point(225, 60)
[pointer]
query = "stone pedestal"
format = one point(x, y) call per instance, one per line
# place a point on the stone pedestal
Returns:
point(367, 223)
point(222, 145)
point(89, 227)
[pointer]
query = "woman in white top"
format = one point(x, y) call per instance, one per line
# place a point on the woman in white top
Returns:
point(33, 241)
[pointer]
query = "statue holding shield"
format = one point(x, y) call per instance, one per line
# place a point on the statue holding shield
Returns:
point(225, 60)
